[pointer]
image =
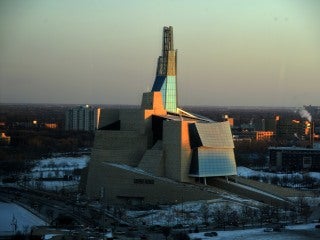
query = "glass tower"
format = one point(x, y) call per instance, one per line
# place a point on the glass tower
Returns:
point(166, 79)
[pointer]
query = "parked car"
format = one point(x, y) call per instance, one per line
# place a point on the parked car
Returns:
point(268, 230)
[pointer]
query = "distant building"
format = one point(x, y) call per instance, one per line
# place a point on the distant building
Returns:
point(4, 139)
point(259, 129)
point(264, 135)
point(290, 129)
point(51, 125)
point(294, 159)
point(83, 118)
point(265, 124)
point(243, 136)
point(229, 119)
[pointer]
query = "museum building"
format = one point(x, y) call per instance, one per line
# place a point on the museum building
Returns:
point(158, 153)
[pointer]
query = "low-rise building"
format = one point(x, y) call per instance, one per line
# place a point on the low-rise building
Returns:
point(4, 139)
point(294, 159)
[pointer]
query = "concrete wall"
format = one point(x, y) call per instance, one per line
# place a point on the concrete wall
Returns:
point(152, 100)
point(272, 189)
point(119, 182)
point(125, 147)
point(130, 119)
point(246, 193)
point(172, 149)
point(132, 146)
point(153, 162)
point(186, 153)
point(122, 147)
point(176, 145)
point(108, 116)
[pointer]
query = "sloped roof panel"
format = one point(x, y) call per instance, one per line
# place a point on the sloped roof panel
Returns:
point(215, 135)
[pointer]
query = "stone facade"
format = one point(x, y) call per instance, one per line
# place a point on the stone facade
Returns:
point(140, 160)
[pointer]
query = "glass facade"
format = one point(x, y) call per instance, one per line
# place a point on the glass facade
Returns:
point(212, 150)
point(171, 94)
point(168, 87)
point(209, 162)
point(158, 83)
point(166, 81)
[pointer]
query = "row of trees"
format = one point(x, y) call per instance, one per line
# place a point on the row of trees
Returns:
point(227, 215)
point(296, 181)
point(267, 214)
point(29, 145)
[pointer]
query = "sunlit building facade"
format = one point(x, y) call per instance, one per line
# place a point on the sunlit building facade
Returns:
point(4, 139)
point(264, 135)
point(212, 150)
point(158, 152)
point(166, 80)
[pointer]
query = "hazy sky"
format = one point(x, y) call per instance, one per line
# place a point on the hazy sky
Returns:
point(230, 52)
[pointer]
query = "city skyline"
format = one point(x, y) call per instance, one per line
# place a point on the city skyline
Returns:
point(253, 53)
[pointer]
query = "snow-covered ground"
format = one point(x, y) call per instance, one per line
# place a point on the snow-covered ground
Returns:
point(255, 190)
point(57, 167)
point(14, 218)
point(54, 185)
point(306, 231)
point(190, 213)
point(247, 172)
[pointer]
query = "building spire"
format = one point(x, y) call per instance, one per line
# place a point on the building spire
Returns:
point(166, 81)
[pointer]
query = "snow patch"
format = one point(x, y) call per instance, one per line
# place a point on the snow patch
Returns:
point(247, 172)
point(14, 218)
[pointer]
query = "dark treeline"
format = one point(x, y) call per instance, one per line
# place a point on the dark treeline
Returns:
point(242, 115)
point(27, 145)
point(33, 142)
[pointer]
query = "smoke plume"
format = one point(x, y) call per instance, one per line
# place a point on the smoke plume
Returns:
point(305, 114)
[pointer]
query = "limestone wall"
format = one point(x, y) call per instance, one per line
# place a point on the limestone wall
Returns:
point(246, 193)
point(186, 153)
point(108, 116)
point(272, 189)
point(172, 149)
point(131, 119)
point(176, 145)
point(153, 162)
point(119, 184)
point(116, 139)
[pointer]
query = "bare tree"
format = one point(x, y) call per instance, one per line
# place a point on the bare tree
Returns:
point(205, 213)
